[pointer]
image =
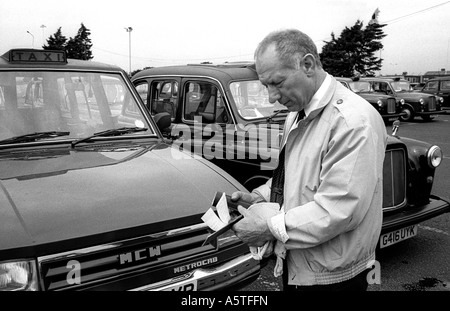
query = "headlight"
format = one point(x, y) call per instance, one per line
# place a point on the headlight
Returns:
point(434, 156)
point(421, 101)
point(402, 101)
point(18, 276)
point(441, 99)
point(380, 103)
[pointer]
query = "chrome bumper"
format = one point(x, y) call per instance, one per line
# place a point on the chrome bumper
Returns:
point(207, 279)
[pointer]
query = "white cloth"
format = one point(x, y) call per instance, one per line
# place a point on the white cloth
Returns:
point(270, 247)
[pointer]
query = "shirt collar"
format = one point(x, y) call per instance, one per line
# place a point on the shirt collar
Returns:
point(318, 96)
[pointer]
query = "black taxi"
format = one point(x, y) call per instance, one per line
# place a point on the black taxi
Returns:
point(389, 107)
point(91, 195)
point(439, 86)
point(221, 112)
point(416, 104)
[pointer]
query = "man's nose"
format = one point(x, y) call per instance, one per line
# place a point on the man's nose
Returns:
point(274, 94)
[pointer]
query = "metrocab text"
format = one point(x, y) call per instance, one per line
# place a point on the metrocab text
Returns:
point(231, 142)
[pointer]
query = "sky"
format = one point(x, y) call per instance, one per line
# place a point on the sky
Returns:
point(192, 31)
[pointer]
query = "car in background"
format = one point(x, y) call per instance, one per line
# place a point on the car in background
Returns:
point(416, 86)
point(440, 87)
point(416, 104)
point(207, 100)
point(219, 107)
point(389, 107)
point(92, 197)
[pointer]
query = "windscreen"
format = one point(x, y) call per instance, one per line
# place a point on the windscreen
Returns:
point(81, 103)
point(252, 99)
point(360, 86)
point(401, 86)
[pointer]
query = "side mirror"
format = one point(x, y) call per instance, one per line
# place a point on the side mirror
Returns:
point(163, 121)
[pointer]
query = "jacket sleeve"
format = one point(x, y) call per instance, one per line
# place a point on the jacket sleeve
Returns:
point(264, 190)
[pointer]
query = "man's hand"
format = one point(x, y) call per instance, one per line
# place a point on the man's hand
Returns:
point(245, 196)
point(253, 229)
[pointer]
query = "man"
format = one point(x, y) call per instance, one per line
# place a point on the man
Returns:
point(331, 214)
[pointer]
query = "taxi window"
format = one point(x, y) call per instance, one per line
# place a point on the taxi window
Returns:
point(164, 98)
point(81, 103)
point(252, 100)
point(143, 91)
point(360, 86)
point(431, 86)
point(445, 85)
point(204, 101)
point(382, 87)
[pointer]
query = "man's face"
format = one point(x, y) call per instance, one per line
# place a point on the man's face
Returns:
point(289, 86)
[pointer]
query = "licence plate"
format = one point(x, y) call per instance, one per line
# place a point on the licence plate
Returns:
point(399, 235)
point(187, 286)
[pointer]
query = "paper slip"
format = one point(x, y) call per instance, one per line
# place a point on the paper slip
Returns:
point(210, 218)
point(218, 222)
point(222, 209)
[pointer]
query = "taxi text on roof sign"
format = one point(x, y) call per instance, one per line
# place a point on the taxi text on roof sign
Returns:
point(35, 56)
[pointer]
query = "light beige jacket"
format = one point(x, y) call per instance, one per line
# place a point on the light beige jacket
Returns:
point(333, 187)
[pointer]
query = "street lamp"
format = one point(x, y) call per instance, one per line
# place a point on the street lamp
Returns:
point(43, 35)
point(32, 37)
point(129, 29)
point(448, 45)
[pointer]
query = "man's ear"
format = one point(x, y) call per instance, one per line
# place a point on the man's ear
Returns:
point(309, 63)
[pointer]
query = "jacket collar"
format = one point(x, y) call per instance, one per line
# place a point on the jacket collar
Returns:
point(319, 101)
point(321, 98)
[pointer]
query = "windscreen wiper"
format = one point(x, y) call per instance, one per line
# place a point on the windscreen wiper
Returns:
point(111, 132)
point(33, 137)
point(276, 112)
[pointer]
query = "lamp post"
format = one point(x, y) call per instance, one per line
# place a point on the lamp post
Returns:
point(43, 34)
point(129, 29)
point(32, 42)
point(448, 45)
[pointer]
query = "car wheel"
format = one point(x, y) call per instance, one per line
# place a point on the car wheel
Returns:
point(408, 116)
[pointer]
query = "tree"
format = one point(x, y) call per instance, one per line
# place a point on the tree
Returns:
point(353, 52)
point(79, 47)
point(56, 41)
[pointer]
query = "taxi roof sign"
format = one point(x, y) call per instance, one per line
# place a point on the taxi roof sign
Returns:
point(35, 56)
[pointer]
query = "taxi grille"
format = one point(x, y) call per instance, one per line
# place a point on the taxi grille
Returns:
point(432, 104)
point(156, 255)
point(391, 105)
point(394, 179)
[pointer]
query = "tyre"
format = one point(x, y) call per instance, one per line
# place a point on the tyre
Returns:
point(408, 116)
